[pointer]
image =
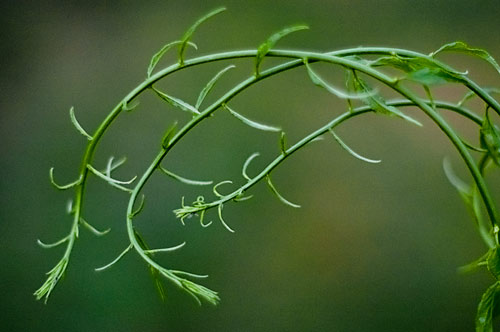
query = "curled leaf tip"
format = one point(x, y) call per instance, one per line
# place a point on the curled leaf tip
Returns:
point(63, 187)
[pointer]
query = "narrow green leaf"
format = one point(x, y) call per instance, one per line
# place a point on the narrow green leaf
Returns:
point(266, 46)
point(111, 165)
point(116, 260)
point(252, 123)
point(93, 229)
point(219, 210)
point(112, 182)
point(189, 33)
point(210, 85)
point(471, 94)
point(154, 251)
point(52, 245)
point(317, 80)
point(129, 108)
point(484, 317)
point(430, 76)
point(348, 149)
point(63, 187)
point(156, 58)
point(176, 102)
point(77, 125)
point(378, 104)
point(460, 46)
point(216, 193)
point(277, 194)
point(139, 208)
point(169, 135)
point(471, 267)
point(494, 262)
point(184, 180)
point(247, 162)
point(463, 189)
point(490, 138)
point(283, 143)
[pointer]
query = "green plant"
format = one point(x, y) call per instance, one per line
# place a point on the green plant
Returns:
point(400, 70)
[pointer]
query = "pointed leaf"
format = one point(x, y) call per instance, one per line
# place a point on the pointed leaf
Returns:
point(52, 245)
point(116, 260)
point(93, 229)
point(189, 33)
point(484, 317)
point(460, 46)
point(348, 149)
point(317, 80)
point(169, 135)
point(490, 138)
point(176, 102)
point(156, 58)
point(219, 210)
point(252, 123)
point(184, 180)
point(266, 46)
point(112, 182)
point(210, 85)
point(283, 143)
point(63, 187)
point(247, 162)
point(154, 251)
point(277, 194)
point(77, 125)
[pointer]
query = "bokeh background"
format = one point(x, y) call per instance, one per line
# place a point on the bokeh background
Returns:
point(373, 248)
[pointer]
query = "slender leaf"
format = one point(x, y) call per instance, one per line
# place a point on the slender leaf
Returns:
point(460, 46)
point(317, 80)
point(139, 209)
point(169, 134)
point(494, 262)
point(156, 58)
point(52, 245)
point(283, 143)
point(490, 138)
point(154, 251)
point(247, 162)
point(348, 149)
point(471, 267)
point(176, 102)
point(184, 180)
point(266, 46)
point(216, 193)
point(219, 210)
point(252, 123)
point(210, 85)
point(277, 194)
point(77, 125)
point(471, 94)
point(189, 33)
point(111, 181)
point(378, 104)
point(93, 229)
point(116, 260)
point(63, 187)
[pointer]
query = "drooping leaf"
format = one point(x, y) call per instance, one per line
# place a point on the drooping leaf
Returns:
point(484, 317)
point(377, 102)
point(210, 85)
point(352, 152)
point(420, 69)
point(490, 138)
point(266, 46)
point(177, 102)
point(278, 195)
point(52, 245)
point(169, 134)
point(460, 46)
point(189, 33)
point(317, 80)
point(251, 123)
point(219, 211)
point(184, 180)
point(158, 55)
point(247, 162)
point(174, 248)
point(471, 94)
point(92, 229)
point(116, 260)
point(77, 125)
point(63, 187)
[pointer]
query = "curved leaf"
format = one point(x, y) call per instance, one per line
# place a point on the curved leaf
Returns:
point(277, 194)
point(210, 85)
point(252, 123)
point(77, 125)
point(348, 149)
point(177, 102)
point(157, 56)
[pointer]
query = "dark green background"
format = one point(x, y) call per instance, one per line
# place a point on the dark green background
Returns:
point(373, 248)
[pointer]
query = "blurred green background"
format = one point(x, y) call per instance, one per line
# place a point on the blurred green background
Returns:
point(373, 248)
